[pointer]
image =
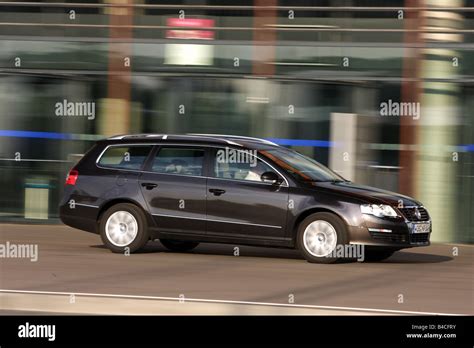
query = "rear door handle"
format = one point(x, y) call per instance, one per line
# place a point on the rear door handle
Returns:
point(217, 192)
point(149, 185)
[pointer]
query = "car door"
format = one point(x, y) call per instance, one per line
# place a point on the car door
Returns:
point(174, 187)
point(239, 204)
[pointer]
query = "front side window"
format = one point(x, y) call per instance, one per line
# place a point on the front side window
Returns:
point(183, 161)
point(301, 167)
point(125, 157)
point(239, 165)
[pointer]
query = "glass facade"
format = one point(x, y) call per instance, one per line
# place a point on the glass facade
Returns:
point(286, 71)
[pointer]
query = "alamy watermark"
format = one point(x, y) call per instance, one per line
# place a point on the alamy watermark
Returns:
point(28, 330)
point(348, 251)
point(394, 108)
point(229, 155)
point(68, 108)
point(22, 251)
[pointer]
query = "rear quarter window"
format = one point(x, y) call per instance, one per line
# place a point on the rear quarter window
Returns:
point(125, 157)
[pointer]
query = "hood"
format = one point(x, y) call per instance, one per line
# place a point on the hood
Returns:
point(368, 194)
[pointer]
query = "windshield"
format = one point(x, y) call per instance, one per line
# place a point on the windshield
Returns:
point(301, 167)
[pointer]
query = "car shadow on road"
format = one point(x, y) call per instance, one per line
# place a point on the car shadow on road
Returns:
point(400, 257)
point(411, 257)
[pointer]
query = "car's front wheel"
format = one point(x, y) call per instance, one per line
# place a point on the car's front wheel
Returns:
point(318, 236)
point(123, 228)
point(180, 246)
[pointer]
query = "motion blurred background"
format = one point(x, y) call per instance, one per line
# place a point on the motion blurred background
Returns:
point(311, 75)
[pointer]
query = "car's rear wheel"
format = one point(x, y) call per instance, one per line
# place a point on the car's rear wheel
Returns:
point(375, 255)
point(176, 245)
point(123, 228)
point(318, 236)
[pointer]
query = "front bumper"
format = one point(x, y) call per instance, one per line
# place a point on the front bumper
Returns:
point(394, 232)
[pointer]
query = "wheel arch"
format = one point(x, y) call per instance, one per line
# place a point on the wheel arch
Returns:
point(115, 201)
point(304, 214)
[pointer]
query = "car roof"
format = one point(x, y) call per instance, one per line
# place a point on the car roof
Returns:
point(217, 139)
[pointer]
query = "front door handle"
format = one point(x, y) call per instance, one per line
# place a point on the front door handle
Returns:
point(217, 192)
point(149, 185)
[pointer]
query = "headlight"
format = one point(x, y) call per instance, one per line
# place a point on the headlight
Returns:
point(379, 210)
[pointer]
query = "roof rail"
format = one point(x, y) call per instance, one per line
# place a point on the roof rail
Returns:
point(263, 141)
point(212, 137)
point(171, 136)
point(123, 136)
point(117, 137)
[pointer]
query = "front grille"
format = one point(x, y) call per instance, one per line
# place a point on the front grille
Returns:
point(419, 238)
point(410, 213)
point(389, 237)
point(415, 238)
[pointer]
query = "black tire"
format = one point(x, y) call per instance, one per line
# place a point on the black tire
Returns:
point(141, 237)
point(376, 255)
point(335, 222)
point(177, 245)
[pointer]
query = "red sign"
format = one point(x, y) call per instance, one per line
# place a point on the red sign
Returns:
point(192, 31)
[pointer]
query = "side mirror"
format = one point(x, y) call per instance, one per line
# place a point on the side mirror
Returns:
point(271, 178)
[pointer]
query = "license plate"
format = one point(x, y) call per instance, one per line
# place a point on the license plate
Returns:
point(421, 228)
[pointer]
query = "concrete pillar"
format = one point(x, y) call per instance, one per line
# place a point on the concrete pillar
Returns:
point(436, 171)
point(264, 37)
point(343, 155)
point(115, 111)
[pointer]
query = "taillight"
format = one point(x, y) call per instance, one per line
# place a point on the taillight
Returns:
point(72, 177)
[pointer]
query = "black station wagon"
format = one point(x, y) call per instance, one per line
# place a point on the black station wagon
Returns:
point(187, 189)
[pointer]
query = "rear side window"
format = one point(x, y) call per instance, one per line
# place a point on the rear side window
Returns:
point(125, 157)
point(183, 161)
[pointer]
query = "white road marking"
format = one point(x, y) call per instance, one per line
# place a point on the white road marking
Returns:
point(139, 297)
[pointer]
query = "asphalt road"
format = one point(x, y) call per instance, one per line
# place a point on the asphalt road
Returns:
point(428, 279)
